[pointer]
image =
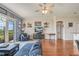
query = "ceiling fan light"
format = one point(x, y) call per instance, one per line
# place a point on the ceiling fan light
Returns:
point(44, 11)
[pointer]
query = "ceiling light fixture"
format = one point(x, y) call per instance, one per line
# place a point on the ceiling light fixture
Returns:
point(44, 11)
point(45, 8)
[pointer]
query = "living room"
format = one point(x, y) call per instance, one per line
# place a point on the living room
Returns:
point(26, 25)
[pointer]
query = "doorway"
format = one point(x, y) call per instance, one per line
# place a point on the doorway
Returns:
point(59, 29)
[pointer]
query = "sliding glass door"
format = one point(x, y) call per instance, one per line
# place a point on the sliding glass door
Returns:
point(2, 31)
point(7, 29)
point(11, 30)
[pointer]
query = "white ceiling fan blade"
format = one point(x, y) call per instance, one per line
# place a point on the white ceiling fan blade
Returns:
point(51, 11)
point(52, 5)
point(36, 10)
point(40, 5)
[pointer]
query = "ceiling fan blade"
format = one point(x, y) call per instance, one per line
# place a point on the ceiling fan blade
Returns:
point(40, 5)
point(36, 10)
point(52, 5)
point(51, 11)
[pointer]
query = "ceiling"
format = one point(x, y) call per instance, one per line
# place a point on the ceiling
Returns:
point(27, 10)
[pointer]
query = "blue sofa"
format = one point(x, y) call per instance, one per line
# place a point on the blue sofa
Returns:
point(30, 49)
point(35, 50)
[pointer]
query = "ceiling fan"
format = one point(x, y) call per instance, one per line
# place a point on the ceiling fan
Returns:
point(45, 8)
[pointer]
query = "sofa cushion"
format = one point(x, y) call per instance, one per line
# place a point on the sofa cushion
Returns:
point(24, 50)
point(35, 50)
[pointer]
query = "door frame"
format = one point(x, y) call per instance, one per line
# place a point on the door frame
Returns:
point(61, 30)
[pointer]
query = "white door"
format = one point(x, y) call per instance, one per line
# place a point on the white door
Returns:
point(59, 29)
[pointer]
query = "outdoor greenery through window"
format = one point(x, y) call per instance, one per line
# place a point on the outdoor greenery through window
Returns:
point(2, 33)
point(3, 30)
point(11, 30)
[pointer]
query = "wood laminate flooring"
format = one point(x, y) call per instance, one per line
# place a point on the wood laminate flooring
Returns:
point(57, 47)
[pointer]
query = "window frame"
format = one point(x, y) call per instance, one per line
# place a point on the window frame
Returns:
point(8, 28)
point(7, 18)
point(3, 30)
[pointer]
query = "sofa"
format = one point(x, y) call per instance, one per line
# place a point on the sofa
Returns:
point(30, 49)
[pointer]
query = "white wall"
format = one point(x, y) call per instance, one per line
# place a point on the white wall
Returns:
point(67, 31)
point(50, 29)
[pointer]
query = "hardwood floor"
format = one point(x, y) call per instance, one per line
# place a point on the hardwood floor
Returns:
point(48, 49)
point(57, 47)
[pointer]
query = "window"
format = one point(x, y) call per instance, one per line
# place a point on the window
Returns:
point(11, 30)
point(2, 33)
point(7, 26)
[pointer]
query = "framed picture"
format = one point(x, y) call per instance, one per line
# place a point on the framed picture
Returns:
point(70, 24)
point(24, 25)
point(38, 29)
point(38, 23)
point(46, 25)
point(29, 25)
